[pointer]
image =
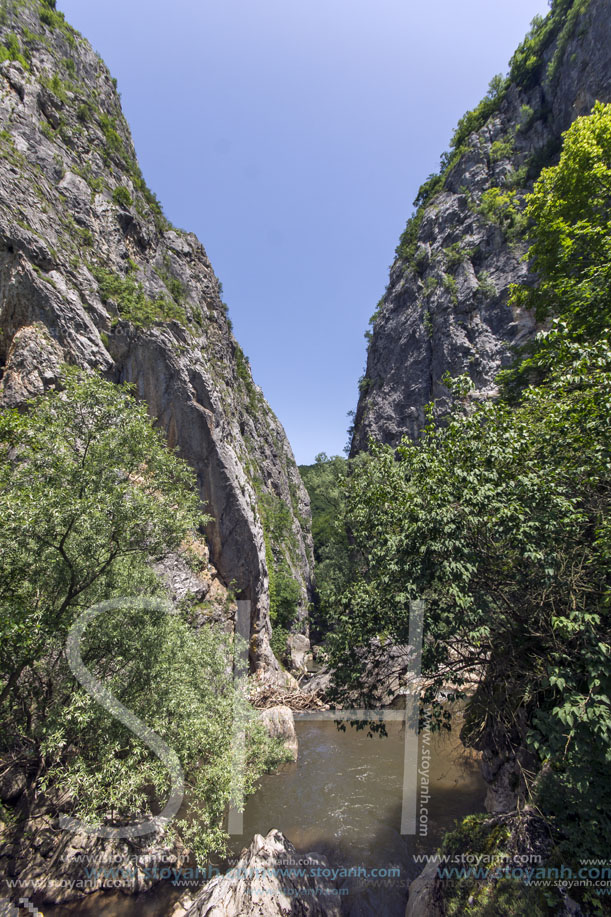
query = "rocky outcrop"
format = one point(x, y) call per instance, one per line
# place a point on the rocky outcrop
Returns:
point(299, 654)
point(266, 883)
point(279, 723)
point(92, 274)
point(505, 841)
point(423, 898)
point(446, 308)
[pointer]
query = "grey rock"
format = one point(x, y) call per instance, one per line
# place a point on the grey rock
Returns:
point(279, 723)
point(14, 74)
point(438, 316)
point(66, 867)
point(64, 151)
point(299, 653)
point(256, 890)
point(422, 901)
point(503, 780)
point(386, 677)
point(319, 683)
point(13, 781)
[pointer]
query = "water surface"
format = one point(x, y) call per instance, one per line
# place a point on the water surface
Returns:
point(342, 798)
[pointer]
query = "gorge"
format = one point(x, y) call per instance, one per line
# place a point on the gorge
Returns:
point(483, 494)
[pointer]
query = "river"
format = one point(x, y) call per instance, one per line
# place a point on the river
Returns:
point(343, 798)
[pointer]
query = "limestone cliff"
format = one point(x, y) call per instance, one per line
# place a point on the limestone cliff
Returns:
point(446, 308)
point(92, 274)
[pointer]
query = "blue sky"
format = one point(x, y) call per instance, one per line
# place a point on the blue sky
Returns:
point(292, 138)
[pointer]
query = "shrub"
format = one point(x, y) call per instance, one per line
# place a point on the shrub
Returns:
point(91, 497)
point(485, 285)
point(286, 598)
point(502, 149)
point(54, 19)
point(474, 120)
point(527, 117)
point(83, 113)
point(502, 207)
point(455, 255)
point(122, 197)
point(132, 302)
point(279, 643)
point(12, 51)
point(114, 143)
point(174, 286)
point(449, 284)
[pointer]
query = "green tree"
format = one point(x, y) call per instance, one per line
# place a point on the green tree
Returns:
point(90, 498)
point(499, 520)
point(324, 483)
point(570, 235)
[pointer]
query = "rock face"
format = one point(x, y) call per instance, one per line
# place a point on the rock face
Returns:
point(446, 308)
point(423, 900)
point(263, 884)
point(92, 274)
point(299, 653)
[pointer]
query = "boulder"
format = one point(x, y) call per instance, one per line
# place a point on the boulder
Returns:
point(421, 902)
point(254, 888)
point(299, 653)
point(279, 723)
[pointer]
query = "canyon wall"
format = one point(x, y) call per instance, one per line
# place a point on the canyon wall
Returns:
point(446, 308)
point(93, 274)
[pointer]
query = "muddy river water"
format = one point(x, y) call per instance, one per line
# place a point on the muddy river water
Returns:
point(343, 798)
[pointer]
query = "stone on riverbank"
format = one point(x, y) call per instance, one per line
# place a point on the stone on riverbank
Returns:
point(254, 888)
point(279, 723)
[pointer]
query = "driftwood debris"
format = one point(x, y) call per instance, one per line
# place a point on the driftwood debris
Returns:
point(270, 695)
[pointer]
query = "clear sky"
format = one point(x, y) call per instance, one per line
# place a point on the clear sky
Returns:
point(292, 137)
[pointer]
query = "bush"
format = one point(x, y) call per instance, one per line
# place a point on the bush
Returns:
point(91, 498)
point(54, 19)
point(113, 141)
point(132, 302)
point(84, 113)
point(279, 643)
point(122, 197)
point(286, 598)
point(502, 149)
point(502, 207)
point(474, 120)
point(12, 51)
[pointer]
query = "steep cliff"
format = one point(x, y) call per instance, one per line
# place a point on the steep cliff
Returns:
point(92, 274)
point(446, 309)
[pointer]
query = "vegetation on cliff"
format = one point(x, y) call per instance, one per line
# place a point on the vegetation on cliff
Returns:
point(527, 68)
point(498, 519)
